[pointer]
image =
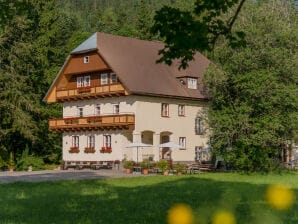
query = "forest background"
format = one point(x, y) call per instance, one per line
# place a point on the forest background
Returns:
point(253, 107)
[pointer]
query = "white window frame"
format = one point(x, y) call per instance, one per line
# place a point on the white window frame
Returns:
point(86, 59)
point(182, 142)
point(90, 141)
point(87, 80)
point(75, 140)
point(80, 81)
point(181, 110)
point(80, 111)
point(165, 110)
point(116, 108)
point(107, 140)
point(97, 109)
point(104, 79)
point(199, 126)
point(192, 83)
point(113, 78)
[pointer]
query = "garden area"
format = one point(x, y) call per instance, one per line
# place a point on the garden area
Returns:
point(204, 198)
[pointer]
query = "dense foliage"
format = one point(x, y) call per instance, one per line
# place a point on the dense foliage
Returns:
point(254, 106)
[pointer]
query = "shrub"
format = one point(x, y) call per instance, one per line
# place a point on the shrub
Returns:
point(162, 165)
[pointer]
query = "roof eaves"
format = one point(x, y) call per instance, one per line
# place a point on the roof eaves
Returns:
point(57, 76)
point(170, 96)
point(84, 51)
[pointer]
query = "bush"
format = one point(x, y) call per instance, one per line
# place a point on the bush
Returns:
point(25, 161)
point(37, 163)
point(162, 165)
point(128, 164)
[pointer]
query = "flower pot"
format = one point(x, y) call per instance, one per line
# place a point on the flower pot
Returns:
point(179, 173)
point(166, 173)
point(145, 171)
point(128, 171)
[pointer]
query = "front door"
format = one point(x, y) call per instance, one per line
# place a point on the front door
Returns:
point(165, 152)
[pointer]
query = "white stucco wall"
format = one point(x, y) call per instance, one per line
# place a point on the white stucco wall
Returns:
point(126, 105)
point(148, 117)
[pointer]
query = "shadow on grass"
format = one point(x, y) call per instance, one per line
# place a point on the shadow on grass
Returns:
point(134, 200)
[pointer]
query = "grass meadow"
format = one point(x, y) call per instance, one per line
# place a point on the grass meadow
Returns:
point(146, 199)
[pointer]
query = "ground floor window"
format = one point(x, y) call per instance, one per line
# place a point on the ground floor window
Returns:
point(91, 141)
point(75, 141)
point(182, 142)
point(107, 140)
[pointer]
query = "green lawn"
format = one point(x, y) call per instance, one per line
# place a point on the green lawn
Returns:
point(144, 199)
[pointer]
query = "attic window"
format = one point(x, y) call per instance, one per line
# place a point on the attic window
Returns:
point(192, 83)
point(113, 78)
point(86, 59)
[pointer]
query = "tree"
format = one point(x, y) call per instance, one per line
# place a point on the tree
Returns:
point(254, 104)
point(186, 31)
point(33, 47)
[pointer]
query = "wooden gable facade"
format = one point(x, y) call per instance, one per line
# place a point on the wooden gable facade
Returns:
point(90, 65)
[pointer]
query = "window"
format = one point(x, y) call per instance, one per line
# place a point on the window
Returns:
point(192, 83)
point(181, 110)
point(87, 80)
point(182, 142)
point(80, 111)
point(75, 141)
point(97, 110)
point(113, 78)
point(90, 141)
point(104, 79)
point(86, 59)
point(164, 109)
point(116, 108)
point(107, 140)
point(83, 81)
point(80, 81)
point(199, 126)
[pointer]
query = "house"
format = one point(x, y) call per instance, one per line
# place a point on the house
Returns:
point(114, 93)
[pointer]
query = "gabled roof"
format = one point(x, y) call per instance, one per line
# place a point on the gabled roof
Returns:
point(134, 61)
point(87, 45)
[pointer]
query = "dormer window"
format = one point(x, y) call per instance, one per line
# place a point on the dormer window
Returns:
point(86, 59)
point(104, 79)
point(192, 83)
point(113, 78)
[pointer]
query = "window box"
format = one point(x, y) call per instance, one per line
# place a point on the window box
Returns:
point(70, 120)
point(84, 89)
point(74, 149)
point(106, 149)
point(94, 119)
point(89, 150)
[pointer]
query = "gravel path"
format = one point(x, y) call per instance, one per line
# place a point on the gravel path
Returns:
point(54, 175)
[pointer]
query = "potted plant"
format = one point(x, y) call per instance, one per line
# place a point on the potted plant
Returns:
point(163, 166)
point(145, 166)
point(74, 149)
point(128, 165)
point(89, 150)
point(180, 167)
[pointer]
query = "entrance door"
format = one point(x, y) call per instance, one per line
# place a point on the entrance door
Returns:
point(165, 152)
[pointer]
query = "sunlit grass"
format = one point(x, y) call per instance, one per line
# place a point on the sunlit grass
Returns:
point(210, 196)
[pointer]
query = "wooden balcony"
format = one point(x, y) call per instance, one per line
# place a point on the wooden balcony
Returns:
point(106, 122)
point(89, 92)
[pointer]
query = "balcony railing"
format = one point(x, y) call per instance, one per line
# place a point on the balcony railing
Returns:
point(90, 92)
point(105, 122)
